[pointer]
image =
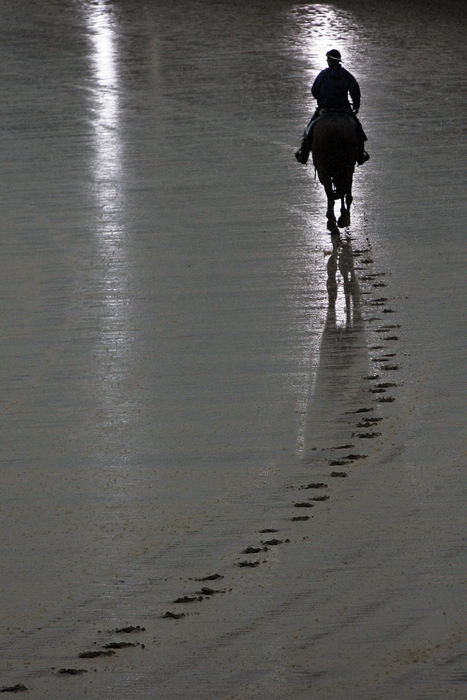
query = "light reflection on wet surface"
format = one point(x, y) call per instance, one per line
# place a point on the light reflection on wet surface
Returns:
point(320, 26)
point(108, 188)
point(171, 359)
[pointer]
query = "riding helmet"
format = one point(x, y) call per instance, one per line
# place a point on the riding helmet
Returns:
point(335, 55)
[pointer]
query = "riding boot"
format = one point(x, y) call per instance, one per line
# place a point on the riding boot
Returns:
point(303, 152)
point(362, 155)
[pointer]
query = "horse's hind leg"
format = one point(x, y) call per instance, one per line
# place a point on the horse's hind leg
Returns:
point(344, 219)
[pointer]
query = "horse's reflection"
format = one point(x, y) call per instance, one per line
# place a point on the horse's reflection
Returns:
point(343, 331)
point(342, 259)
point(343, 358)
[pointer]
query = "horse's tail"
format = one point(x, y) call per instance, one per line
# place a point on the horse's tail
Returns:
point(342, 164)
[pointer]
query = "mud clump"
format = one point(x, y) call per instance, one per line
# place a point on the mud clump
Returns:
point(337, 462)
point(268, 529)
point(18, 688)
point(300, 518)
point(368, 422)
point(211, 577)
point(129, 629)
point(254, 550)
point(188, 599)
point(320, 498)
point(353, 457)
point(96, 654)
point(339, 474)
point(368, 436)
point(303, 504)
point(71, 671)
point(248, 564)
point(274, 542)
point(386, 329)
point(169, 615)
point(210, 591)
point(314, 485)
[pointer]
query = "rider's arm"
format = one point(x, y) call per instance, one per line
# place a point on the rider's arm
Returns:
point(354, 91)
point(315, 88)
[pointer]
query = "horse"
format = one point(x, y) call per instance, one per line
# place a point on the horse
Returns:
point(334, 151)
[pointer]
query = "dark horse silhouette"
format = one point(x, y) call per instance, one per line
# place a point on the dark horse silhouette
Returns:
point(334, 150)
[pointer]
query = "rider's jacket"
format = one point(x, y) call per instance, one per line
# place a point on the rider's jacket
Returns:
point(332, 86)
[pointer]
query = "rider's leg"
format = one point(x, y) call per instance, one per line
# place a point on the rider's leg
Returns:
point(362, 155)
point(303, 152)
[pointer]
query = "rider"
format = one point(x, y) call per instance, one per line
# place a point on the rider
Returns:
point(331, 88)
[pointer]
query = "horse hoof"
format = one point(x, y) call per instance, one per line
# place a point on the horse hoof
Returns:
point(332, 227)
point(343, 221)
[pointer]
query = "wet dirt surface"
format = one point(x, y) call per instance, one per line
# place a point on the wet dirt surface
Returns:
point(174, 378)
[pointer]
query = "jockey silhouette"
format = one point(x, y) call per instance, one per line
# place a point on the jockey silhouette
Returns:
point(331, 89)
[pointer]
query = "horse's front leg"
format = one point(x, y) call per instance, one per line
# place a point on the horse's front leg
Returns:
point(332, 225)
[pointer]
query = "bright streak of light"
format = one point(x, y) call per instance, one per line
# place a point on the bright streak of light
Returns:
point(107, 165)
point(320, 28)
point(115, 338)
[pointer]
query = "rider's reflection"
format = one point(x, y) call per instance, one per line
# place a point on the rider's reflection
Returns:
point(343, 356)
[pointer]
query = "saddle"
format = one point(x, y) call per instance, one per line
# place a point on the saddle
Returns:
point(303, 152)
point(322, 113)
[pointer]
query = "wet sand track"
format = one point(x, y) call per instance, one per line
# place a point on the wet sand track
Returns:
point(232, 448)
